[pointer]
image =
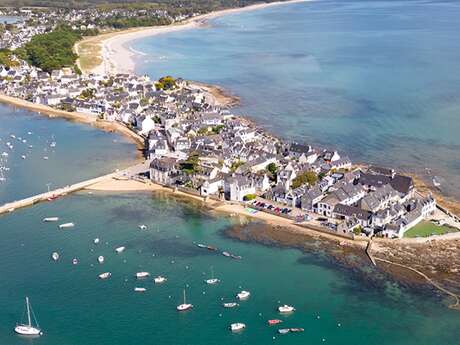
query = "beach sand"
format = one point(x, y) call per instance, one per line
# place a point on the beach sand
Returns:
point(109, 53)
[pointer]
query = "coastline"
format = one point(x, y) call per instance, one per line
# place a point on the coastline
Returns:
point(76, 117)
point(114, 57)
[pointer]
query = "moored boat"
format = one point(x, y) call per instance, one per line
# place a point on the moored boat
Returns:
point(295, 330)
point(100, 259)
point(105, 275)
point(238, 326)
point(120, 249)
point(28, 328)
point(274, 322)
point(184, 306)
point(55, 256)
point(159, 280)
point(212, 280)
point(200, 245)
point(143, 227)
point(243, 295)
point(74, 261)
point(140, 289)
point(284, 330)
point(50, 219)
point(96, 240)
point(230, 305)
point(286, 309)
point(66, 225)
point(227, 254)
point(140, 275)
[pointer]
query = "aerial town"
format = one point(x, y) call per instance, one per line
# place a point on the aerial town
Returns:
point(195, 144)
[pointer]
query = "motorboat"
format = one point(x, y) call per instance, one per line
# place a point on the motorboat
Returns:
point(66, 225)
point(143, 227)
point(236, 327)
point(286, 309)
point(96, 240)
point(184, 306)
point(120, 249)
point(45, 158)
point(50, 219)
point(284, 330)
point(28, 328)
point(159, 280)
point(23, 156)
point(230, 305)
point(274, 322)
point(140, 289)
point(227, 254)
point(211, 248)
point(243, 295)
point(212, 280)
point(140, 275)
point(74, 261)
point(237, 257)
point(53, 144)
point(5, 154)
point(105, 275)
point(55, 256)
point(200, 245)
point(100, 259)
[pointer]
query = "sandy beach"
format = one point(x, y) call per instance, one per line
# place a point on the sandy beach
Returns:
point(109, 52)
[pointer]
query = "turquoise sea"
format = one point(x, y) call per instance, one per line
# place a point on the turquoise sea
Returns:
point(74, 307)
point(81, 152)
point(376, 79)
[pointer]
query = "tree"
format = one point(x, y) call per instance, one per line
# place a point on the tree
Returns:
point(166, 83)
point(272, 168)
point(307, 177)
point(249, 197)
point(190, 165)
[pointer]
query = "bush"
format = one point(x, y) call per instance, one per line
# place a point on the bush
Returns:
point(249, 197)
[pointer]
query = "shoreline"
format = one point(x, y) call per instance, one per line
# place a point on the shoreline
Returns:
point(115, 57)
point(76, 117)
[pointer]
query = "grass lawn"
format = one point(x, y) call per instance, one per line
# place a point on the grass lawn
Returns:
point(425, 229)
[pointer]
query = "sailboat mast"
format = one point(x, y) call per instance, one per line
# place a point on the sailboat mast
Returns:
point(28, 311)
point(184, 296)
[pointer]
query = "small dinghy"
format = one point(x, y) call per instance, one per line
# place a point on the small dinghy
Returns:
point(230, 305)
point(140, 275)
point(28, 328)
point(284, 309)
point(227, 254)
point(74, 261)
point(100, 259)
point(120, 250)
point(105, 275)
point(140, 289)
point(55, 256)
point(274, 322)
point(200, 245)
point(284, 330)
point(143, 227)
point(243, 295)
point(66, 225)
point(296, 330)
point(159, 280)
point(50, 219)
point(96, 241)
point(237, 327)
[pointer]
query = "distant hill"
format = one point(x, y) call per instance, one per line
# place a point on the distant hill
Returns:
point(209, 4)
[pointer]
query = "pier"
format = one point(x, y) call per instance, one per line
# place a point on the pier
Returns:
point(47, 196)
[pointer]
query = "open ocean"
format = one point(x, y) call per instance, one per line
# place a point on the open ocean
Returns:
point(375, 79)
point(335, 305)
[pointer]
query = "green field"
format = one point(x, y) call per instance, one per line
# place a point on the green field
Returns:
point(425, 229)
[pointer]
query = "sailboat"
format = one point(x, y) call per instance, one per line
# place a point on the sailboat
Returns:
point(184, 306)
point(28, 329)
point(213, 280)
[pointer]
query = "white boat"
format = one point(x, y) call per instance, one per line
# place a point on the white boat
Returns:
point(212, 280)
point(236, 327)
point(120, 249)
point(50, 219)
point(55, 256)
point(5, 154)
point(45, 158)
point(74, 261)
point(243, 295)
point(436, 183)
point(100, 259)
point(159, 280)
point(28, 328)
point(143, 227)
point(284, 330)
point(286, 308)
point(105, 275)
point(184, 306)
point(23, 156)
point(227, 254)
point(140, 275)
point(66, 225)
point(140, 289)
point(96, 241)
point(230, 305)
point(53, 144)
point(200, 245)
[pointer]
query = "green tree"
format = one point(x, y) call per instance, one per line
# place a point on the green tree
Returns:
point(307, 177)
point(191, 164)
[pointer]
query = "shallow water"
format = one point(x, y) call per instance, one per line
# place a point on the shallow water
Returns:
point(74, 307)
point(376, 79)
point(81, 152)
